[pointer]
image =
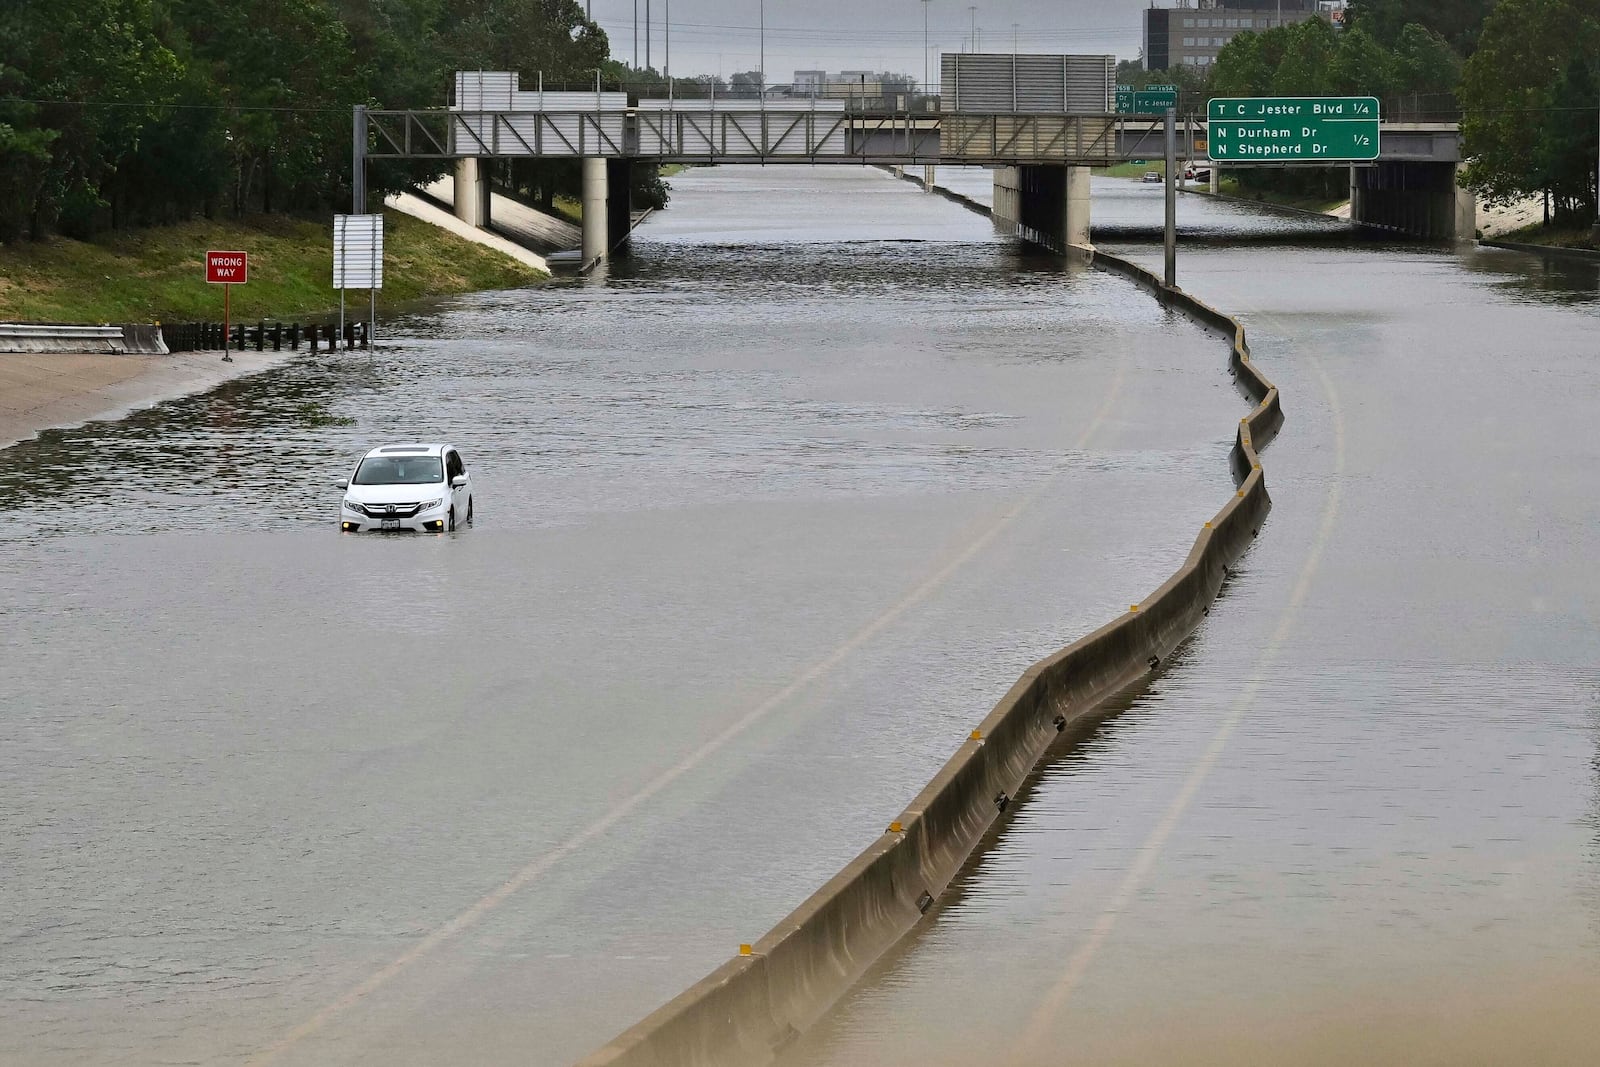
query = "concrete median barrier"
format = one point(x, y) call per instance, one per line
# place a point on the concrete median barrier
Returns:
point(750, 1009)
point(144, 339)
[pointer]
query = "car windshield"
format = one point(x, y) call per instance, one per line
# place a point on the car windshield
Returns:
point(399, 470)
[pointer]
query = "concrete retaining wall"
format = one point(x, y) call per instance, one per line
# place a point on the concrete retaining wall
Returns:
point(749, 1009)
point(1544, 250)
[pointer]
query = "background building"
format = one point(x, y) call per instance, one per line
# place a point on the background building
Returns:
point(1191, 34)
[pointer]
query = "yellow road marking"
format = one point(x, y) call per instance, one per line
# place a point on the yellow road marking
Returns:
point(538, 866)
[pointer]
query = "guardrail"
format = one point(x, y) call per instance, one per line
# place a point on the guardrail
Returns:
point(27, 337)
point(750, 1008)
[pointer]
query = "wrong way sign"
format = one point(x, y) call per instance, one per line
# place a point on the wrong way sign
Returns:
point(227, 268)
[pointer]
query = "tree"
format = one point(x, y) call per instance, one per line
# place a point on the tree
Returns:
point(1528, 95)
point(746, 83)
point(1360, 66)
point(1244, 67)
point(1425, 62)
point(1457, 22)
point(1308, 52)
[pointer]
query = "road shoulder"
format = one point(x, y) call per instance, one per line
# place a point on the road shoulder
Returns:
point(42, 391)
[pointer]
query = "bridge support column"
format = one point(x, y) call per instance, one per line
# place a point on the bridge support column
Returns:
point(1416, 199)
point(1216, 179)
point(619, 203)
point(928, 178)
point(1046, 205)
point(472, 192)
point(596, 227)
point(1007, 199)
point(1466, 222)
point(1077, 216)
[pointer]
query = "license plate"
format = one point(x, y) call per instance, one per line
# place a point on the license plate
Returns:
point(391, 524)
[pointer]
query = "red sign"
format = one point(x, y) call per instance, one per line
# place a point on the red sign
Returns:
point(227, 268)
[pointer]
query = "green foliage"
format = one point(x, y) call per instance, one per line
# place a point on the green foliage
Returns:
point(1308, 51)
point(1456, 22)
point(144, 275)
point(1312, 59)
point(1424, 61)
point(1530, 92)
point(157, 110)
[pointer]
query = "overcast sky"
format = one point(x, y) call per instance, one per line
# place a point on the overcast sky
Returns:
point(721, 36)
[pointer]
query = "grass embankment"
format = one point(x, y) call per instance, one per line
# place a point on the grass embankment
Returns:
point(1230, 187)
point(1553, 236)
point(569, 208)
point(158, 273)
point(1133, 170)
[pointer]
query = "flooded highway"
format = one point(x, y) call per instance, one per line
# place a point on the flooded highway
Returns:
point(765, 521)
point(1356, 820)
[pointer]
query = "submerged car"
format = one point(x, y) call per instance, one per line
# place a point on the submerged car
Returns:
point(1151, 176)
point(423, 488)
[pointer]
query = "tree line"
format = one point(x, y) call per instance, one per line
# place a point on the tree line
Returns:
point(1524, 76)
point(117, 113)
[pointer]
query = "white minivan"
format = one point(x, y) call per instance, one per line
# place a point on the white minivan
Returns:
point(423, 488)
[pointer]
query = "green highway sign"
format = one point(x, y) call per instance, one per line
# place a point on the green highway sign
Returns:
point(1291, 129)
point(1150, 101)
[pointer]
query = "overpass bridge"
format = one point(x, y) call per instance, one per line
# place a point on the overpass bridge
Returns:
point(1041, 157)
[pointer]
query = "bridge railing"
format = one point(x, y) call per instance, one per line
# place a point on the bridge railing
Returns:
point(1419, 107)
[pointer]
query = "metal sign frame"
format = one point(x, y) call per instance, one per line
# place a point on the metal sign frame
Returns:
point(358, 262)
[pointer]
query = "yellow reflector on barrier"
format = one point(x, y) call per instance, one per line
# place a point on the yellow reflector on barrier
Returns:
point(1133, 607)
point(744, 950)
point(976, 735)
point(895, 827)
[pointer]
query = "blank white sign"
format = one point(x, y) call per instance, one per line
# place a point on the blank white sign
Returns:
point(358, 251)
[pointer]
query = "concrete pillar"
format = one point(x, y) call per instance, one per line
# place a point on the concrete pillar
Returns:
point(595, 214)
point(1216, 179)
point(928, 177)
point(1466, 212)
point(1007, 198)
point(472, 192)
point(1077, 213)
point(619, 201)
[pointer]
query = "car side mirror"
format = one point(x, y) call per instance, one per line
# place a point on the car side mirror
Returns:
point(458, 482)
point(343, 483)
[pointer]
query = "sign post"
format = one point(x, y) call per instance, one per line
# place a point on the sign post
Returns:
point(1169, 235)
point(358, 262)
point(227, 269)
point(1286, 129)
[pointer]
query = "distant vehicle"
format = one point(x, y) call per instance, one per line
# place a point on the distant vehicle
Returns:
point(1151, 176)
point(1198, 174)
point(422, 488)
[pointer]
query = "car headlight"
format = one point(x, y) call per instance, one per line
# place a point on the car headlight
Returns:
point(351, 505)
point(429, 505)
